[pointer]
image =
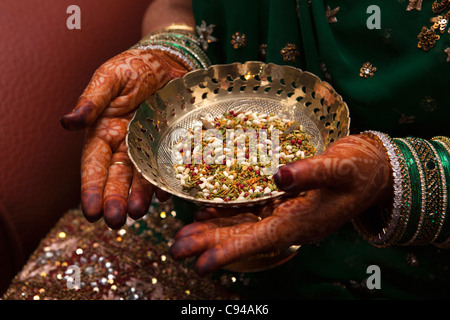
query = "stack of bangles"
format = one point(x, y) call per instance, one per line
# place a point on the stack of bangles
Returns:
point(180, 42)
point(420, 168)
point(417, 215)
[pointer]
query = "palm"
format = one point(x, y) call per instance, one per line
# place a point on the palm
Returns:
point(110, 186)
point(329, 190)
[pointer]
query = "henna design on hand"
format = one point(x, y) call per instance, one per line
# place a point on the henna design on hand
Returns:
point(110, 186)
point(327, 191)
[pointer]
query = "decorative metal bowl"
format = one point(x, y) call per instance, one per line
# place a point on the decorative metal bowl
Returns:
point(162, 120)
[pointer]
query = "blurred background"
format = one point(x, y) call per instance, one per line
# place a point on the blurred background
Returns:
point(44, 69)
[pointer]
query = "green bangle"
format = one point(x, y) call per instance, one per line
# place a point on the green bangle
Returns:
point(413, 199)
point(418, 188)
point(182, 45)
point(184, 40)
point(389, 218)
point(443, 239)
point(404, 159)
point(429, 220)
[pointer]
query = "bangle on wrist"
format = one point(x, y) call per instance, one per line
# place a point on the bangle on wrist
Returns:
point(433, 199)
point(174, 27)
point(442, 146)
point(180, 43)
point(418, 216)
point(384, 235)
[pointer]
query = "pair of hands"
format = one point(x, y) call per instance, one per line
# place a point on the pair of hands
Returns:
point(325, 192)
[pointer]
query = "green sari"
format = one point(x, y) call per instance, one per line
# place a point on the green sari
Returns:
point(405, 96)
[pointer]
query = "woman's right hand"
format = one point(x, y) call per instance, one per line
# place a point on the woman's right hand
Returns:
point(110, 185)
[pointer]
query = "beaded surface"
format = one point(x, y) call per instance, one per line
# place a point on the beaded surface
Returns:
point(127, 264)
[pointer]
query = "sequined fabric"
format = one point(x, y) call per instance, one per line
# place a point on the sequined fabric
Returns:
point(127, 264)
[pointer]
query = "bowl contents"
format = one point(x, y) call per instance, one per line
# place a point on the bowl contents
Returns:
point(232, 157)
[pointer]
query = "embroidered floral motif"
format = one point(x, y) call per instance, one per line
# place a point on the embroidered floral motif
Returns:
point(262, 49)
point(447, 51)
point(428, 104)
point(331, 14)
point(440, 22)
point(204, 34)
point(289, 52)
point(414, 4)
point(427, 38)
point(238, 40)
point(440, 6)
point(367, 70)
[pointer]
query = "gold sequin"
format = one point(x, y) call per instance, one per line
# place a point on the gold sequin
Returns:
point(289, 52)
point(367, 70)
point(262, 49)
point(440, 6)
point(414, 4)
point(238, 40)
point(138, 267)
point(440, 23)
point(204, 34)
point(331, 14)
point(447, 51)
point(427, 38)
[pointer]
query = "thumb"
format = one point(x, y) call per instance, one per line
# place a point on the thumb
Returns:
point(313, 173)
point(98, 94)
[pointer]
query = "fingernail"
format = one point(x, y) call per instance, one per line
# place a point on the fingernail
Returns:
point(78, 118)
point(115, 213)
point(284, 178)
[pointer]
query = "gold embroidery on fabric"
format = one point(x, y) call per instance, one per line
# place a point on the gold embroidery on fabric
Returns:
point(440, 6)
point(204, 34)
point(440, 22)
point(367, 70)
point(262, 49)
point(427, 38)
point(289, 52)
point(447, 51)
point(238, 40)
point(331, 14)
point(414, 4)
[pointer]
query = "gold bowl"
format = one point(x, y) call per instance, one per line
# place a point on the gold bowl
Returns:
point(164, 117)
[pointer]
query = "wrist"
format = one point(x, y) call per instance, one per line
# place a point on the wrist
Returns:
point(417, 215)
point(178, 42)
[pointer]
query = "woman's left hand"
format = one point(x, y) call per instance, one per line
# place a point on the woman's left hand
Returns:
point(326, 192)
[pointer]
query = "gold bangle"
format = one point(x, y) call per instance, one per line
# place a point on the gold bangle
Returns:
point(120, 163)
point(392, 218)
point(179, 26)
point(444, 139)
point(444, 242)
point(430, 217)
point(182, 45)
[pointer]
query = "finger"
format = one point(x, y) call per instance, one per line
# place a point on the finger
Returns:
point(259, 237)
point(203, 226)
point(103, 86)
point(206, 213)
point(289, 223)
point(121, 84)
point(116, 190)
point(335, 166)
point(162, 195)
point(95, 160)
point(197, 243)
point(140, 196)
